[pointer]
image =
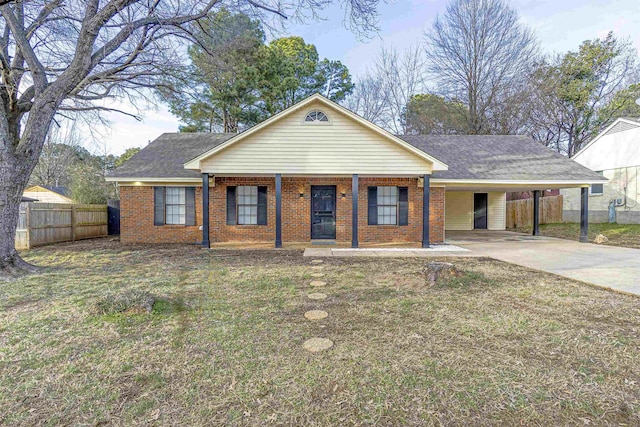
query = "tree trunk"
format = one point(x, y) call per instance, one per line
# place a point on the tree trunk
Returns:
point(14, 175)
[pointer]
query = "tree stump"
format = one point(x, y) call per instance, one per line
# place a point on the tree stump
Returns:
point(437, 272)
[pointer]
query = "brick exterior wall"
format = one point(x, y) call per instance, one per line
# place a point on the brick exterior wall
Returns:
point(136, 213)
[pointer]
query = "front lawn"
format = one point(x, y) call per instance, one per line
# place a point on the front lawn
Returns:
point(627, 235)
point(500, 345)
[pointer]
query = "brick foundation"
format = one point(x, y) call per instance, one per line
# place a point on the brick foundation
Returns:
point(136, 210)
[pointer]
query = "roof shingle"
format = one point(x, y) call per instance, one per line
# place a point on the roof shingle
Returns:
point(499, 157)
point(470, 157)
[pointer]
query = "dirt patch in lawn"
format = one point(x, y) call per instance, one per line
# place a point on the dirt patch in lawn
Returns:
point(499, 345)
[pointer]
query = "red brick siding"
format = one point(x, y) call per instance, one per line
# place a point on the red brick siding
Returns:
point(137, 213)
point(136, 219)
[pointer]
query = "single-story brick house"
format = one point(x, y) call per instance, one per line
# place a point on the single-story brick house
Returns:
point(319, 172)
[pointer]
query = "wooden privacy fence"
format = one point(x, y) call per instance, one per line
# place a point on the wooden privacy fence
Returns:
point(45, 223)
point(520, 212)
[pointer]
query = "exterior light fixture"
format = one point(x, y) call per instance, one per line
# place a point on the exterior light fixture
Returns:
point(343, 194)
point(301, 194)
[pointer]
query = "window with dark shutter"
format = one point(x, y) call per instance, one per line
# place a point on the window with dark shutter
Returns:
point(372, 204)
point(190, 206)
point(262, 205)
point(388, 205)
point(403, 206)
point(231, 206)
point(158, 205)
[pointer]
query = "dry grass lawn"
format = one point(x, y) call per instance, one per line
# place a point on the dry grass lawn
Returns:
point(501, 345)
point(625, 235)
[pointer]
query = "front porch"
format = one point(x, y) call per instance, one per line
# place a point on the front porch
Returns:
point(337, 211)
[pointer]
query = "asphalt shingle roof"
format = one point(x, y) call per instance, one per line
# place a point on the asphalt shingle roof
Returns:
point(487, 157)
point(499, 157)
point(165, 157)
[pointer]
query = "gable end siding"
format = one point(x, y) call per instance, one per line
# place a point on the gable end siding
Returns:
point(290, 146)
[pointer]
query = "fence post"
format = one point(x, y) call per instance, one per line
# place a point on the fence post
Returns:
point(27, 220)
point(73, 223)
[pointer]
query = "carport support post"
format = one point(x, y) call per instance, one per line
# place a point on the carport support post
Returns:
point(536, 212)
point(425, 212)
point(584, 214)
point(354, 211)
point(205, 211)
point(278, 210)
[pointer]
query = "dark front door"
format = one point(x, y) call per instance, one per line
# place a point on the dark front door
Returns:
point(323, 212)
point(480, 211)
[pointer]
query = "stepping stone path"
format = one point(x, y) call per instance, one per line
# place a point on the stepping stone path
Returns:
point(316, 314)
point(318, 283)
point(315, 345)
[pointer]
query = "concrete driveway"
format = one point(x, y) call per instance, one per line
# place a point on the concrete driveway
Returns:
point(606, 266)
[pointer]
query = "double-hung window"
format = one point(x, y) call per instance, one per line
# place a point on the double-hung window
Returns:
point(388, 205)
point(247, 205)
point(174, 206)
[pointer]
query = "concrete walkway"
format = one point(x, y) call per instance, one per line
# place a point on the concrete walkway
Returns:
point(606, 266)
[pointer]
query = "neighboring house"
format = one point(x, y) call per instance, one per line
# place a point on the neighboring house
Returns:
point(44, 194)
point(318, 172)
point(614, 154)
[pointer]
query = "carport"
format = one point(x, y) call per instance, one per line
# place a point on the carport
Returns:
point(473, 208)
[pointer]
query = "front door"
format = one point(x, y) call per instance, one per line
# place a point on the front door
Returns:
point(323, 212)
point(480, 211)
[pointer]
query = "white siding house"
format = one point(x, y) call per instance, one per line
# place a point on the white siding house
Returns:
point(615, 154)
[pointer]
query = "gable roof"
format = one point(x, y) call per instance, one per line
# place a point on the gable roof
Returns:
point(165, 156)
point(63, 191)
point(619, 125)
point(500, 158)
point(195, 162)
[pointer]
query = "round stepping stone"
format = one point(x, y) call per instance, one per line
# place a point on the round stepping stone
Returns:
point(318, 267)
point(317, 296)
point(317, 283)
point(316, 314)
point(315, 345)
point(317, 261)
point(317, 274)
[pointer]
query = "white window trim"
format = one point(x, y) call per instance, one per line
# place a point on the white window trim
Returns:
point(397, 204)
point(251, 205)
point(316, 122)
point(184, 205)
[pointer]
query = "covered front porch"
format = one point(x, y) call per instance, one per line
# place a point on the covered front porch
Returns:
point(290, 210)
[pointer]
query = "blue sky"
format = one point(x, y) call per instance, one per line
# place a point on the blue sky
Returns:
point(560, 25)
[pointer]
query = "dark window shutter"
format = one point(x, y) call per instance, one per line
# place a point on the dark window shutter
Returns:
point(262, 205)
point(232, 208)
point(190, 199)
point(403, 206)
point(372, 203)
point(158, 205)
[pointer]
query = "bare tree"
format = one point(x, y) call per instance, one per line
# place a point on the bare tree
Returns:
point(382, 95)
point(402, 76)
point(370, 100)
point(58, 56)
point(60, 152)
point(475, 51)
